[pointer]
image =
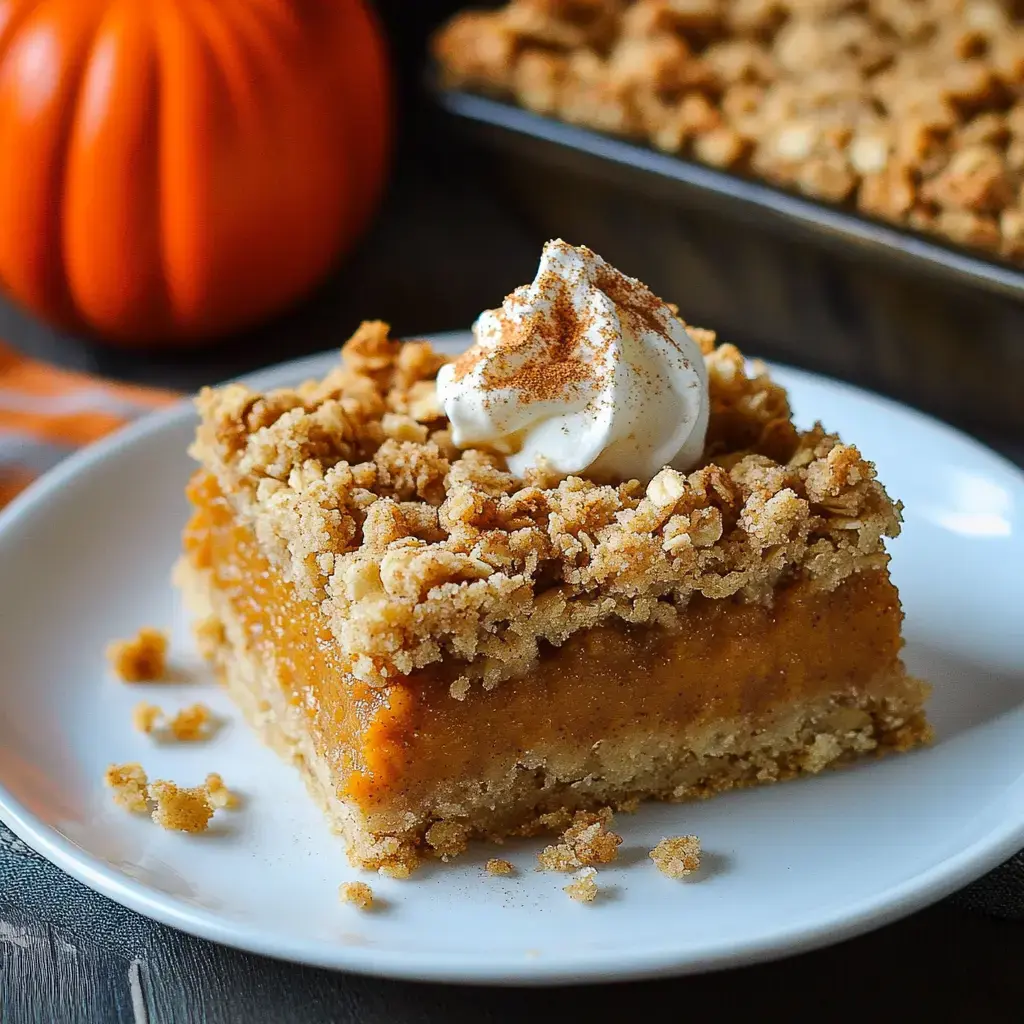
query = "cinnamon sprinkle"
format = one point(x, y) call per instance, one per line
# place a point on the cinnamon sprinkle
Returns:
point(539, 354)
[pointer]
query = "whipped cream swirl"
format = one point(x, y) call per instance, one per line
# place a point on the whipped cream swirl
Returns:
point(585, 370)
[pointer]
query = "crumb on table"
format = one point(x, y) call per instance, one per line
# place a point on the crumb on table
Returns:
point(146, 717)
point(583, 889)
point(180, 808)
point(219, 796)
point(587, 841)
point(128, 781)
point(677, 856)
point(497, 866)
point(195, 722)
point(141, 659)
point(359, 894)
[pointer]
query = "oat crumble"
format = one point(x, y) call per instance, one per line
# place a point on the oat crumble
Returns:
point(142, 659)
point(128, 781)
point(583, 889)
point(418, 552)
point(587, 841)
point(677, 856)
point(359, 894)
point(497, 866)
point(908, 110)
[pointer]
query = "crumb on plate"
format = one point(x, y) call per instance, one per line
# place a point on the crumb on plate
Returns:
point(180, 808)
point(128, 781)
point(497, 866)
point(359, 894)
point(677, 856)
point(195, 722)
point(588, 840)
point(141, 659)
point(583, 889)
point(146, 717)
point(219, 796)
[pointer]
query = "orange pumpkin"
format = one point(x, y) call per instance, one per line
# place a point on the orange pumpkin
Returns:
point(172, 169)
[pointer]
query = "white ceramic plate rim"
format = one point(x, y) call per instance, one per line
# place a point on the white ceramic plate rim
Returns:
point(985, 853)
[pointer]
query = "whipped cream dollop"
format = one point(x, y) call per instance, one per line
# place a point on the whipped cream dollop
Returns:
point(586, 370)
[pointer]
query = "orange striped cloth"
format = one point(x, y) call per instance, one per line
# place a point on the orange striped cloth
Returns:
point(46, 413)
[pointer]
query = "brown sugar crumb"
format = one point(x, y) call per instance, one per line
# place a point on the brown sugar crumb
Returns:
point(677, 856)
point(587, 841)
point(219, 796)
point(143, 659)
point(180, 808)
point(146, 717)
point(359, 894)
point(193, 723)
point(583, 889)
point(128, 781)
point(497, 866)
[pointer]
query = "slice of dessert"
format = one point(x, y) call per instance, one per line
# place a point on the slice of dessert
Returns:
point(589, 562)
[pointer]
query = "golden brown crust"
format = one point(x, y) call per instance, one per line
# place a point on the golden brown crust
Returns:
point(909, 110)
point(418, 552)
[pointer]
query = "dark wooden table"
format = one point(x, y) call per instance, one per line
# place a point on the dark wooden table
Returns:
point(445, 248)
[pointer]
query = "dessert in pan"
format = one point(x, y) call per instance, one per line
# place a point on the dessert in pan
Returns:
point(909, 111)
point(588, 562)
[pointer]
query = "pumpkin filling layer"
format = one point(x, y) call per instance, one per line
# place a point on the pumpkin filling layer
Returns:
point(731, 694)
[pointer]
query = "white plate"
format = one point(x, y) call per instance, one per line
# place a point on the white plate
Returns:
point(85, 556)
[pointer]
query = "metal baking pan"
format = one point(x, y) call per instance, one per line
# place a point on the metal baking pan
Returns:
point(782, 275)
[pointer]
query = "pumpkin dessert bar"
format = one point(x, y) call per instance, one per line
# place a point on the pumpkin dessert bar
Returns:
point(447, 650)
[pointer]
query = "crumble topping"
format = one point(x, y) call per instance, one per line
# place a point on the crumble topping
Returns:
point(142, 659)
point(180, 808)
point(908, 110)
point(497, 866)
point(677, 856)
point(587, 841)
point(128, 781)
point(359, 894)
point(583, 889)
point(418, 552)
